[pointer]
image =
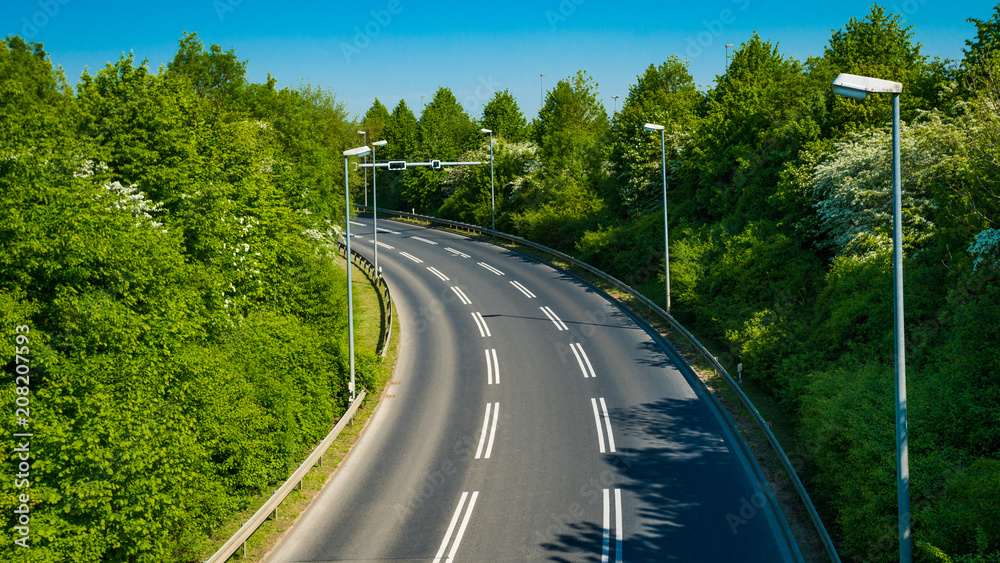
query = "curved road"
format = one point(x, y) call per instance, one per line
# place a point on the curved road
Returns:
point(530, 418)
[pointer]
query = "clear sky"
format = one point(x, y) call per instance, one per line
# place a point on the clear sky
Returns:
point(405, 49)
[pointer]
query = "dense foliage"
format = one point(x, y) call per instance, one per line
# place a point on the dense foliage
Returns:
point(166, 241)
point(780, 245)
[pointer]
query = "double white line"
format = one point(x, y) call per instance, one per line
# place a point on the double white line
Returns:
point(412, 257)
point(461, 529)
point(453, 251)
point(606, 548)
point(492, 367)
point(423, 240)
point(490, 429)
point(484, 330)
point(461, 295)
point(523, 289)
point(492, 269)
point(607, 424)
point(554, 318)
point(437, 273)
point(581, 358)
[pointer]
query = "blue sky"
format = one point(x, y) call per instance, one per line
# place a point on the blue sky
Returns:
point(405, 49)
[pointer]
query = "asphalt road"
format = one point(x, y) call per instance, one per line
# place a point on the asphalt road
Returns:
point(530, 418)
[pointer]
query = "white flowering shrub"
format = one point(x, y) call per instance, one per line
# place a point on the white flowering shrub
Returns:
point(133, 201)
point(853, 190)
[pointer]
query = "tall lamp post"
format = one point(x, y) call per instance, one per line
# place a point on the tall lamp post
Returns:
point(493, 209)
point(360, 151)
point(615, 98)
point(728, 45)
point(666, 236)
point(541, 90)
point(366, 162)
point(375, 200)
point(858, 87)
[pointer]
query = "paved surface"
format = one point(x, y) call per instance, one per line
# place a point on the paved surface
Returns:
point(530, 419)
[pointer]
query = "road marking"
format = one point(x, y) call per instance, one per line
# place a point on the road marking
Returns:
point(554, 318)
point(492, 428)
point(461, 529)
point(358, 224)
point(461, 295)
point(492, 368)
point(607, 424)
point(437, 273)
point(387, 231)
point(606, 544)
point(492, 269)
point(581, 358)
point(421, 239)
point(357, 236)
point(412, 257)
point(453, 251)
point(384, 245)
point(523, 289)
point(484, 330)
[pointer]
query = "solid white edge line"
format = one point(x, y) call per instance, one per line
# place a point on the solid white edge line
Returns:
point(496, 366)
point(618, 526)
point(586, 359)
point(607, 528)
point(475, 317)
point(461, 529)
point(451, 527)
point(572, 347)
point(597, 419)
point(486, 426)
point(489, 368)
point(607, 422)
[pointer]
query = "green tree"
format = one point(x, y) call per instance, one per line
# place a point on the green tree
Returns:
point(375, 121)
point(503, 116)
point(761, 113)
point(664, 95)
point(879, 46)
point(402, 130)
point(213, 73)
point(986, 43)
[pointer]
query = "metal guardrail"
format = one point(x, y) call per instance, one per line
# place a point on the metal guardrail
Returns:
point(270, 507)
point(369, 268)
point(755, 414)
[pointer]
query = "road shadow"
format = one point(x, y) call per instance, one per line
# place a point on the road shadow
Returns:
point(690, 492)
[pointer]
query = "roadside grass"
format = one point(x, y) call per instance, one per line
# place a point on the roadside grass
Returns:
point(368, 320)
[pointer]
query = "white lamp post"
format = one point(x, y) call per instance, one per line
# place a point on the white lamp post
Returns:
point(360, 151)
point(858, 87)
point(375, 199)
point(366, 162)
point(666, 236)
point(493, 211)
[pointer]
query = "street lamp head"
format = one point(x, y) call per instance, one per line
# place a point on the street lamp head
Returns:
point(485, 130)
point(362, 133)
point(381, 143)
point(652, 127)
point(360, 151)
point(858, 87)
